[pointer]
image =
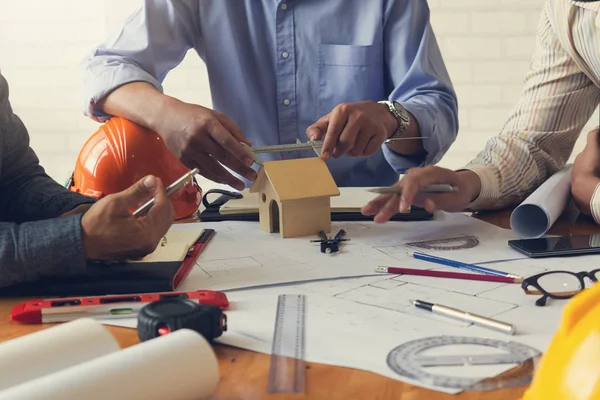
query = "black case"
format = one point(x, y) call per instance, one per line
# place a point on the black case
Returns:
point(212, 211)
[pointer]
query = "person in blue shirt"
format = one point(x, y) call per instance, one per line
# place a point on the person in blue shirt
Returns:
point(280, 71)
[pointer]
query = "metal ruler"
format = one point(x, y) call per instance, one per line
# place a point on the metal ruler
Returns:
point(314, 145)
point(287, 369)
point(408, 361)
point(279, 148)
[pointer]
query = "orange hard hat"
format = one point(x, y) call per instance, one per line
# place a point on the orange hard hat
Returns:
point(119, 154)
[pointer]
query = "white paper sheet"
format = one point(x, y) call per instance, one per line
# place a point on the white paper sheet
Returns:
point(356, 322)
point(181, 365)
point(242, 256)
point(52, 349)
point(536, 215)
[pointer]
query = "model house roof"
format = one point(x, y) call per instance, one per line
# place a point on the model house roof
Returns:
point(296, 179)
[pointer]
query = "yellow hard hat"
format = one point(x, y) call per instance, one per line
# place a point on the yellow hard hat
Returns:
point(570, 368)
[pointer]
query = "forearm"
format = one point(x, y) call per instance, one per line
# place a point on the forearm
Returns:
point(28, 193)
point(153, 41)
point(583, 189)
point(538, 138)
point(434, 118)
point(420, 83)
point(138, 102)
point(35, 250)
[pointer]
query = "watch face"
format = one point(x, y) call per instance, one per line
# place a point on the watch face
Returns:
point(402, 112)
point(403, 116)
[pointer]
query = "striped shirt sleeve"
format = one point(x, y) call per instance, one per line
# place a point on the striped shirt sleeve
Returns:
point(595, 205)
point(537, 140)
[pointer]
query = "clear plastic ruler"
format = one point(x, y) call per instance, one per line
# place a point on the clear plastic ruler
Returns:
point(417, 360)
point(287, 369)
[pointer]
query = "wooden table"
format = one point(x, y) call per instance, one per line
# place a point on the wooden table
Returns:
point(244, 373)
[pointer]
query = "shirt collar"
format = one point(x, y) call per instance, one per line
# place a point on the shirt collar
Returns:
point(594, 6)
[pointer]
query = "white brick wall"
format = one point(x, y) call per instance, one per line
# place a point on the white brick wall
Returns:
point(487, 45)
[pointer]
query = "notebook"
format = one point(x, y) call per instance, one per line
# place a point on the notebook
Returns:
point(161, 271)
point(173, 247)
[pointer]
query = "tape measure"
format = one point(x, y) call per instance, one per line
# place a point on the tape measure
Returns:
point(287, 369)
point(165, 316)
point(408, 360)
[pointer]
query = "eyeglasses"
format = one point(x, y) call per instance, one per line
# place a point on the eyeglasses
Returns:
point(558, 284)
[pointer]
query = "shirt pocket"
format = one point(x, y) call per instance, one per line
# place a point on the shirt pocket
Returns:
point(349, 74)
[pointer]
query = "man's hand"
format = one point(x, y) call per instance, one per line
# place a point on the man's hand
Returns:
point(111, 232)
point(356, 129)
point(587, 163)
point(467, 184)
point(586, 171)
point(202, 138)
point(80, 209)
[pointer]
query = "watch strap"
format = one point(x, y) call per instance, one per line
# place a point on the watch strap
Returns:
point(401, 116)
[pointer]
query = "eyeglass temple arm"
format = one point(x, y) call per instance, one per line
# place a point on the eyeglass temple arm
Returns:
point(538, 293)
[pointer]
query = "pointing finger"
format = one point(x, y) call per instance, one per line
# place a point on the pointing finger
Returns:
point(376, 204)
point(226, 141)
point(233, 129)
point(317, 130)
point(388, 210)
point(161, 215)
point(337, 121)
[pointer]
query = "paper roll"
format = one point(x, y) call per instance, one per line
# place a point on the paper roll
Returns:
point(178, 366)
point(44, 352)
point(536, 215)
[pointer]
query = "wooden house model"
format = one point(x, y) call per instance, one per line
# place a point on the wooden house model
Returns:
point(295, 196)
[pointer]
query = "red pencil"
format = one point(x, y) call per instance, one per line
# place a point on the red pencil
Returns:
point(451, 275)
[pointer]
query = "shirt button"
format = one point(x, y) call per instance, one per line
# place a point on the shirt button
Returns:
point(285, 54)
point(286, 102)
point(284, 6)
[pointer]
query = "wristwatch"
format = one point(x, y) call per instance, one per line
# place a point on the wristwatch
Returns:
point(401, 115)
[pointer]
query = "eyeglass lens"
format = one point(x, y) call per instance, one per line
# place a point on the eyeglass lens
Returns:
point(561, 284)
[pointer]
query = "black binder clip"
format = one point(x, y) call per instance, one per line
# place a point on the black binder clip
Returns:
point(331, 245)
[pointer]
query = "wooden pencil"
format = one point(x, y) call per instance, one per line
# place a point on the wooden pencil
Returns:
point(446, 274)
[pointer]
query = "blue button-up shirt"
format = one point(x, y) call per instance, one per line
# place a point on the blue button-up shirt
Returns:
point(275, 67)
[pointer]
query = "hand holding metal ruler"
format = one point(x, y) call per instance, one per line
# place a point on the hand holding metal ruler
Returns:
point(315, 145)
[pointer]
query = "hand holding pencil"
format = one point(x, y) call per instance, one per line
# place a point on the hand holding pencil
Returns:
point(414, 189)
point(110, 232)
point(170, 190)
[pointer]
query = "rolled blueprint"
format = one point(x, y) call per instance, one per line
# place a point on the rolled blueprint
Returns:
point(536, 215)
point(178, 366)
point(47, 351)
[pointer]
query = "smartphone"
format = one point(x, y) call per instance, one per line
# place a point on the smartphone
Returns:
point(557, 246)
